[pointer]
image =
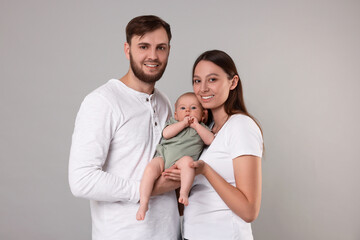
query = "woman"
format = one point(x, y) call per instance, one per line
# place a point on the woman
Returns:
point(226, 193)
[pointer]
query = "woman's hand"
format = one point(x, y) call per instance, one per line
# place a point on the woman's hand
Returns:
point(172, 173)
point(200, 167)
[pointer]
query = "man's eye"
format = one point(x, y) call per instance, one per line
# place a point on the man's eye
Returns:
point(143, 47)
point(162, 48)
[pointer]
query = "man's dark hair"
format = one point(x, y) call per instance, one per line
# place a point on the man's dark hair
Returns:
point(143, 24)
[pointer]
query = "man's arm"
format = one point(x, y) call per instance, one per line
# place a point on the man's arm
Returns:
point(165, 184)
point(94, 128)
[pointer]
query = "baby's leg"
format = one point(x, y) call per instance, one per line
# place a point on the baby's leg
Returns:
point(187, 175)
point(152, 171)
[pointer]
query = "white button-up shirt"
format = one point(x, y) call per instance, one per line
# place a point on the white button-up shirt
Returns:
point(115, 136)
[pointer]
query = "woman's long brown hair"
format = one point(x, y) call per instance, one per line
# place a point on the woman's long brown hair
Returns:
point(235, 102)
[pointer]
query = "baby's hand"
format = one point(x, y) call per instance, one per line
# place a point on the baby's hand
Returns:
point(193, 122)
point(187, 121)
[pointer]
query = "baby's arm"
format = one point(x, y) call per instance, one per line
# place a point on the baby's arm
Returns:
point(173, 129)
point(206, 135)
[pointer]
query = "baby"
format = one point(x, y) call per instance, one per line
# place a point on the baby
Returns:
point(183, 139)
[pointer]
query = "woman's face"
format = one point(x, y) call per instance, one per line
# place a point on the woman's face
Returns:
point(211, 85)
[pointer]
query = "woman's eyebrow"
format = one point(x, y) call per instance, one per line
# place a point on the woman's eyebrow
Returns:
point(210, 74)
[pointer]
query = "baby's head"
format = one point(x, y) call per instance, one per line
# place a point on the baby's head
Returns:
point(188, 105)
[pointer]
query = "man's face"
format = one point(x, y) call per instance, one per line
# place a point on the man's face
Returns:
point(148, 55)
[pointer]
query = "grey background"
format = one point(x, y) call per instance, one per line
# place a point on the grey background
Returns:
point(299, 63)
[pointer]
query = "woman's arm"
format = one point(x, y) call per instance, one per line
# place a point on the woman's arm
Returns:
point(244, 199)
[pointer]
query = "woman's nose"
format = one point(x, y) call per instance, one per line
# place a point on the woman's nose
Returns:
point(204, 87)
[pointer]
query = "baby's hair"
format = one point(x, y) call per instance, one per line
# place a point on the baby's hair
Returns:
point(186, 94)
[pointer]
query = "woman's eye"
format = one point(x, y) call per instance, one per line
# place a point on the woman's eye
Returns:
point(212, 79)
point(196, 81)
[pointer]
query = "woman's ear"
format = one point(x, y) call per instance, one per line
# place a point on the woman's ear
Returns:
point(234, 82)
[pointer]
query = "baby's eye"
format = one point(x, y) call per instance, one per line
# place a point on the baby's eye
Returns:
point(182, 108)
point(193, 108)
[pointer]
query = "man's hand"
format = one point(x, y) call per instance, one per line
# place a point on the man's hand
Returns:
point(168, 181)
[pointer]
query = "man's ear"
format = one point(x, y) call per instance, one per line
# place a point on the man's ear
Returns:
point(234, 83)
point(127, 50)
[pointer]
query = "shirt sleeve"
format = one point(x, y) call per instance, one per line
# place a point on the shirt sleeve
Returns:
point(95, 126)
point(244, 137)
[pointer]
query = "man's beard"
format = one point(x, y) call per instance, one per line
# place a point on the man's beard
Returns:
point(139, 73)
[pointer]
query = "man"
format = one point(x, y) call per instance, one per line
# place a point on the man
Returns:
point(116, 132)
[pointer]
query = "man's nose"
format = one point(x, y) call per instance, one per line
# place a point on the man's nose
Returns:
point(153, 54)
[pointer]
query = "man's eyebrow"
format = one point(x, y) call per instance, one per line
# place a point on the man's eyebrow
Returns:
point(148, 44)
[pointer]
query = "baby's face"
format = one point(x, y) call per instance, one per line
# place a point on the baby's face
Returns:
point(187, 106)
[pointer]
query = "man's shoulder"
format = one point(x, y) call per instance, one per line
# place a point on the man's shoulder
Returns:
point(110, 91)
point(160, 96)
point(108, 94)
point(107, 88)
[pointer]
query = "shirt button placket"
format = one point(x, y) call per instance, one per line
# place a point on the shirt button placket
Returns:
point(156, 126)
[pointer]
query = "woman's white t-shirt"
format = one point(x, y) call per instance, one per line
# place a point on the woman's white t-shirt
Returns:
point(207, 216)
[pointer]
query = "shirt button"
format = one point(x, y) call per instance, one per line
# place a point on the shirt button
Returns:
point(147, 99)
point(155, 123)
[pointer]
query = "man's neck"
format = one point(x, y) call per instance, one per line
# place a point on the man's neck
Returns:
point(133, 82)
